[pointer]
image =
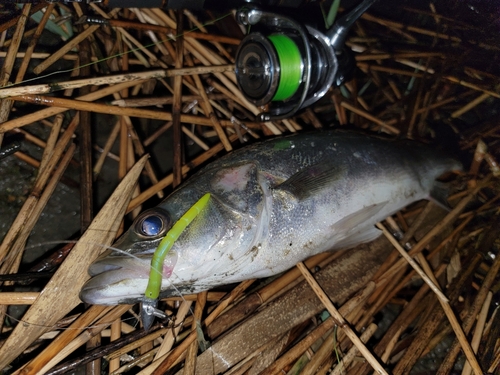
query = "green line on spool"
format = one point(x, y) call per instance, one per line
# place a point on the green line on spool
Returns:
point(290, 66)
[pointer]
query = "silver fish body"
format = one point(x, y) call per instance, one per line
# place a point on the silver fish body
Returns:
point(272, 205)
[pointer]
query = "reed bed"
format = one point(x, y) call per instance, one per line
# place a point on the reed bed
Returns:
point(421, 299)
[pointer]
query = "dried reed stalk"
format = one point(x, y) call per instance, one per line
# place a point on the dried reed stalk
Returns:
point(472, 86)
point(46, 311)
point(169, 339)
point(8, 64)
point(15, 20)
point(366, 115)
point(192, 351)
point(58, 103)
point(478, 332)
point(480, 298)
point(12, 261)
point(443, 300)
point(470, 105)
point(65, 49)
point(385, 69)
point(45, 113)
point(410, 103)
point(168, 360)
point(349, 357)
point(339, 319)
point(32, 44)
point(136, 344)
point(30, 204)
point(109, 80)
point(82, 339)
point(18, 298)
point(252, 302)
point(209, 110)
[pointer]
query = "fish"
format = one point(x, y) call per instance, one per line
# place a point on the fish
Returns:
point(272, 204)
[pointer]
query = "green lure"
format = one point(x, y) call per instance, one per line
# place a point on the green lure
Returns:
point(155, 275)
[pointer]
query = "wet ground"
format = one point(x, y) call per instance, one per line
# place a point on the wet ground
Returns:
point(60, 219)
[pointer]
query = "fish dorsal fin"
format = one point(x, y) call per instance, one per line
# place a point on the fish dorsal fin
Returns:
point(238, 187)
point(310, 180)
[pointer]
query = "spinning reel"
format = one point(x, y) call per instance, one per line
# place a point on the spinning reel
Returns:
point(288, 65)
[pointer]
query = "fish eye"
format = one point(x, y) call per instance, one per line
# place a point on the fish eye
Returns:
point(151, 226)
point(152, 223)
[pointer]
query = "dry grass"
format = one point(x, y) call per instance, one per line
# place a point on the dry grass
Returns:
point(417, 78)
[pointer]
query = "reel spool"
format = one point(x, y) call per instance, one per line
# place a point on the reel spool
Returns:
point(269, 68)
point(288, 65)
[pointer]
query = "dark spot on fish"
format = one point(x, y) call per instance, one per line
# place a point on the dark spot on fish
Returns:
point(290, 244)
point(231, 257)
point(410, 194)
point(255, 251)
point(309, 245)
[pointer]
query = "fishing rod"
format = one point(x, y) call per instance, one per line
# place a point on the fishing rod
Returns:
point(178, 4)
point(283, 63)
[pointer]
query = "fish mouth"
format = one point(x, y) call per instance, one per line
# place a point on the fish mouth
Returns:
point(115, 279)
point(119, 279)
point(109, 262)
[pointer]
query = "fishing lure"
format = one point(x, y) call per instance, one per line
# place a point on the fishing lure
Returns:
point(148, 309)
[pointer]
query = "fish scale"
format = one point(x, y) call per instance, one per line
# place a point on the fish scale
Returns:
point(272, 204)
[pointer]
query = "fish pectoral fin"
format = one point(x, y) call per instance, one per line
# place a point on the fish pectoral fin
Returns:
point(361, 235)
point(359, 226)
point(310, 180)
point(360, 217)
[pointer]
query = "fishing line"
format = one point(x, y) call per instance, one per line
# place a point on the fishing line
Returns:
point(55, 328)
point(291, 65)
point(107, 247)
point(157, 269)
point(170, 323)
point(171, 318)
point(173, 37)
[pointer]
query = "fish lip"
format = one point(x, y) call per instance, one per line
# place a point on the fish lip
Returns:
point(101, 289)
point(115, 278)
point(120, 262)
point(118, 279)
